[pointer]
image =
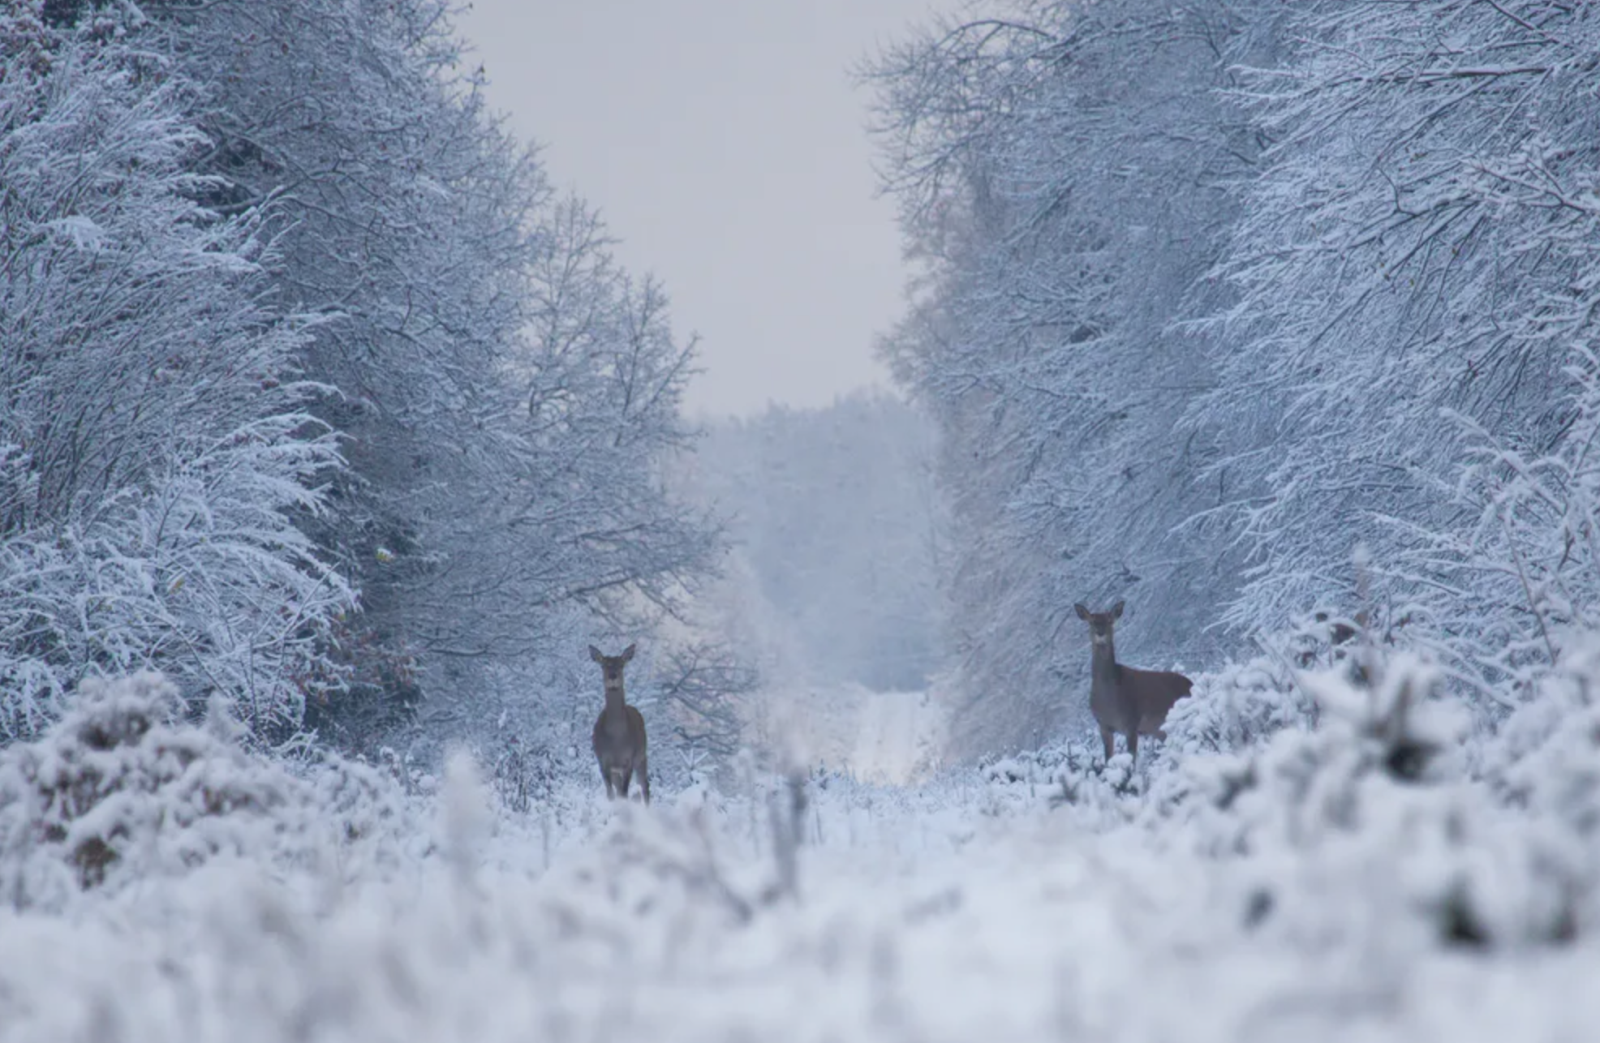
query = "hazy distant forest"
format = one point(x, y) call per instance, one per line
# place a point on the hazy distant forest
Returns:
point(315, 395)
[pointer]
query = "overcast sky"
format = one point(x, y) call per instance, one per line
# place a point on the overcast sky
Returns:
point(724, 142)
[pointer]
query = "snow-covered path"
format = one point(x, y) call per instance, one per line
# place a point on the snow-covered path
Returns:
point(891, 738)
point(898, 736)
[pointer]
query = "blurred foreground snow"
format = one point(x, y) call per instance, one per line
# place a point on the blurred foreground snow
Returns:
point(1294, 883)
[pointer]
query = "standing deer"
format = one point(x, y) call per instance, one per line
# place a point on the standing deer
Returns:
point(1123, 699)
point(619, 740)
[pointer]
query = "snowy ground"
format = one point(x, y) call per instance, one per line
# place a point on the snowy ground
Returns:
point(893, 738)
point(899, 736)
point(1190, 905)
point(912, 922)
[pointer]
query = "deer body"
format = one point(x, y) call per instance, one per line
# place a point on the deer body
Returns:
point(1124, 699)
point(619, 738)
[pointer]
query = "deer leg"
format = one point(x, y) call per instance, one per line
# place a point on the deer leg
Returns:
point(624, 777)
point(644, 778)
point(1133, 745)
point(1109, 737)
point(605, 776)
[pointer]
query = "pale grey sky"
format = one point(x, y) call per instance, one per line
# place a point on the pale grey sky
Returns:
point(724, 142)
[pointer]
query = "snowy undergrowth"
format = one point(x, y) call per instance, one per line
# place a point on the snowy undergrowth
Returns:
point(1355, 879)
point(117, 793)
point(1330, 814)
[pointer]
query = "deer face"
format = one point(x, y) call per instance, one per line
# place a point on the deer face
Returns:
point(611, 665)
point(1101, 624)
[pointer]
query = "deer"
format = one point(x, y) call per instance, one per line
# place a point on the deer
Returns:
point(619, 739)
point(1122, 698)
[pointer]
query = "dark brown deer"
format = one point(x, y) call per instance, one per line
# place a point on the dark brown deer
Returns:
point(619, 739)
point(1123, 699)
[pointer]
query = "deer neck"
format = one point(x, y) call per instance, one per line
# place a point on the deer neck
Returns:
point(615, 705)
point(1103, 666)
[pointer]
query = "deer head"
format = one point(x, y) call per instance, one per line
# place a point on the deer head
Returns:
point(611, 665)
point(1101, 624)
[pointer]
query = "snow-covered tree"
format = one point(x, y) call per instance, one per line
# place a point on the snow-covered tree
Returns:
point(1420, 246)
point(154, 439)
point(1060, 168)
point(506, 395)
point(342, 259)
point(1510, 585)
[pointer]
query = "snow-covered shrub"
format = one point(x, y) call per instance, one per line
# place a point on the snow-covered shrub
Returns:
point(1371, 824)
point(709, 860)
point(1240, 705)
point(120, 789)
point(1545, 758)
point(1067, 774)
point(1037, 772)
point(1032, 767)
point(662, 865)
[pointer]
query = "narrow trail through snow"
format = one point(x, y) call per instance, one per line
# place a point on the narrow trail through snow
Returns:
point(893, 738)
point(897, 736)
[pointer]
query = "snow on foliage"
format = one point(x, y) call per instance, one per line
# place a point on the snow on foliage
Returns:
point(1528, 552)
point(1392, 343)
point(508, 393)
point(154, 444)
point(1373, 821)
point(1317, 275)
point(287, 315)
point(120, 790)
point(1304, 880)
point(1063, 210)
point(1415, 275)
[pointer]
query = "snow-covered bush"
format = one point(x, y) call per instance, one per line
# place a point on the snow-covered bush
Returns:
point(155, 452)
point(1031, 767)
point(1545, 758)
point(1067, 774)
point(1239, 706)
point(1372, 823)
point(121, 789)
point(1369, 857)
point(663, 866)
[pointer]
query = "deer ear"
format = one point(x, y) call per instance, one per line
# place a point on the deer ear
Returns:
point(594, 653)
point(1116, 611)
point(1083, 612)
point(627, 653)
